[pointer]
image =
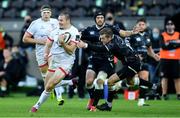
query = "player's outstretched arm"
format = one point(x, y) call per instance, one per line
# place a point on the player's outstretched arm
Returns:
point(97, 48)
point(124, 33)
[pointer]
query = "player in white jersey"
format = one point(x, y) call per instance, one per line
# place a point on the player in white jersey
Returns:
point(37, 33)
point(62, 55)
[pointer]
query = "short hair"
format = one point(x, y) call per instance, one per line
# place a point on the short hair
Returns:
point(66, 14)
point(107, 31)
point(46, 7)
point(141, 20)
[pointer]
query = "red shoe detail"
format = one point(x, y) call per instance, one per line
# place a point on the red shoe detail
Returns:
point(33, 110)
point(90, 103)
point(93, 109)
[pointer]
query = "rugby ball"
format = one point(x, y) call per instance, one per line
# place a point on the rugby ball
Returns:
point(67, 37)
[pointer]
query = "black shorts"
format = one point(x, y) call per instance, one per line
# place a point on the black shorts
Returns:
point(170, 68)
point(101, 65)
point(129, 71)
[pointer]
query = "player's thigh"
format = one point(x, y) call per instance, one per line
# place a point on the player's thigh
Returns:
point(57, 76)
point(42, 63)
point(144, 72)
point(113, 79)
point(49, 74)
point(107, 67)
point(126, 72)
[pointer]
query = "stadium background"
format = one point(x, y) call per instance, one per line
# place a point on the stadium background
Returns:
point(12, 13)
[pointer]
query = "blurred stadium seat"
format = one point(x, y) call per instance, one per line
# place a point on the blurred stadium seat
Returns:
point(1, 12)
point(88, 7)
point(17, 4)
point(31, 4)
point(11, 13)
point(155, 11)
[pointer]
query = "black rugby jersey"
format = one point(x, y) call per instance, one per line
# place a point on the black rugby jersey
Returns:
point(91, 35)
point(119, 48)
point(140, 42)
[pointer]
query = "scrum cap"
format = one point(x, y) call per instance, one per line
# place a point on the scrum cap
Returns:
point(98, 13)
point(45, 8)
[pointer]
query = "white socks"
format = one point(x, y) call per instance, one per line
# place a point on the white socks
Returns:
point(58, 91)
point(141, 102)
point(44, 96)
point(109, 103)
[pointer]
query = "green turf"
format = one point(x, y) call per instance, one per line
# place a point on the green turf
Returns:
point(18, 106)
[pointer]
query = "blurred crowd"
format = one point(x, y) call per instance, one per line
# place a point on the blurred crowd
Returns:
point(84, 8)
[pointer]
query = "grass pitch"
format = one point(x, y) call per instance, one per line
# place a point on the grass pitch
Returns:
point(18, 105)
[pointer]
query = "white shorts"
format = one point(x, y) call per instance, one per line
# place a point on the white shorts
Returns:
point(57, 61)
point(41, 61)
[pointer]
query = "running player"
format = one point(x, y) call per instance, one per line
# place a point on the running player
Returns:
point(37, 33)
point(114, 45)
point(62, 58)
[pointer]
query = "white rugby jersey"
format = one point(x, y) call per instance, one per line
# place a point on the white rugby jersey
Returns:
point(41, 30)
point(56, 48)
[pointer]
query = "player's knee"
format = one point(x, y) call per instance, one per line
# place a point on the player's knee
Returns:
point(44, 69)
point(136, 80)
point(109, 82)
point(49, 87)
point(43, 74)
point(102, 75)
point(98, 83)
point(89, 81)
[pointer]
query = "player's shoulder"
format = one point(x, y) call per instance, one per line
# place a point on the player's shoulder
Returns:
point(55, 30)
point(73, 28)
point(36, 21)
point(54, 21)
point(117, 38)
point(91, 27)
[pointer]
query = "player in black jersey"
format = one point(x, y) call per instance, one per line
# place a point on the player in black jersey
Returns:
point(115, 46)
point(100, 63)
point(142, 45)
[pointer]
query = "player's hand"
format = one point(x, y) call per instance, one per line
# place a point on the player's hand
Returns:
point(81, 44)
point(46, 57)
point(156, 57)
point(61, 39)
point(136, 30)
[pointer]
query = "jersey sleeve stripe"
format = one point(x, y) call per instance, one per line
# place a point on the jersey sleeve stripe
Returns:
point(43, 65)
point(29, 33)
point(50, 70)
point(50, 39)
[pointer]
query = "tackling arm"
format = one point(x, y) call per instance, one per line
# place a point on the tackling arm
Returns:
point(97, 48)
point(124, 33)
